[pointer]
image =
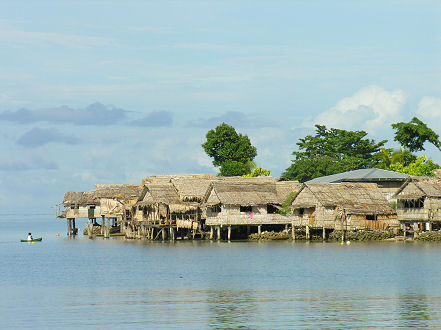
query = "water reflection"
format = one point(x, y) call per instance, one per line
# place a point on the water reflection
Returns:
point(230, 309)
point(414, 310)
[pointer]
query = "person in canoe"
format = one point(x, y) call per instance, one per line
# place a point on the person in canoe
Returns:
point(30, 238)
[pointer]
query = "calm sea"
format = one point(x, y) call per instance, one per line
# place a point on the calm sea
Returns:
point(82, 283)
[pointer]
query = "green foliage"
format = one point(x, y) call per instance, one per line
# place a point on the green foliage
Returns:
point(286, 206)
point(258, 171)
point(332, 151)
point(420, 167)
point(393, 156)
point(233, 168)
point(232, 152)
point(413, 134)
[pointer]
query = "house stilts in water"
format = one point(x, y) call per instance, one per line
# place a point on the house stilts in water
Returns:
point(245, 204)
point(170, 207)
point(342, 206)
point(109, 202)
point(419, 204)
point(78, 205)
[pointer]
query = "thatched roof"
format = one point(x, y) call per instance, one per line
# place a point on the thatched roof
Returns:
point(420, 186)
point(354, 198)
point(79, 198)
point(284, 188)
point(118, 191)
point(167, 178)
point(241, 192)
point(156, 193)
point(190, 188)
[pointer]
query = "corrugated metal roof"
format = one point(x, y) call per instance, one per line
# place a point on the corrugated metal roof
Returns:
point(367, 175)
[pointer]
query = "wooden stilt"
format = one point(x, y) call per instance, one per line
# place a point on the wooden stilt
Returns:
point(163, 234)
point(229, 232)
point(404, 231)
point(293, 231)
point(324, 233)
point(211, 232)
point(259, 229)
point(108, 228)
point(90, 229)
point(68, 227)
point(103, 224)
point(307, 232)
point(248, 231)
point(74, 232)
point(218, 233)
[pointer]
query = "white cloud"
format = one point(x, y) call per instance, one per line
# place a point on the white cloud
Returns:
point(429, 109)
point(371, 108)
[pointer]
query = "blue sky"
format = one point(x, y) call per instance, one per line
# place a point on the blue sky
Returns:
point(113, 91)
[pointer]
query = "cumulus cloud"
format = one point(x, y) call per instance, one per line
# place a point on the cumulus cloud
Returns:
point(155, 119)
point(40, 136)
point(95, 114)
point(371, 108)
point(429, 109)
point(233, 118)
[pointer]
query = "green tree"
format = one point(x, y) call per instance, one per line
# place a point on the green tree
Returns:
point(420, 167)
point(393, 156)
point(258, 171)
point(332, 151)
point(231, 151)
point(414, 134)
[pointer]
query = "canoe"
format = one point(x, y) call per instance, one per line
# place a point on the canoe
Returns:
point(33, 240)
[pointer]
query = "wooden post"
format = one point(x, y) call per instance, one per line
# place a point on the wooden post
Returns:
point(68, 227)
point(324, 233)
point(229, 232)
point(90, 229)
point(211, 232)
point(293, 231)
point(248, 231)
point(108, 228)
point(153, 233)
point(342, 236)
point(73, 227)
point(163, 234)
point(404, 231)
point(307, 232)
point(218, 233)
point(259, 229)
point(103, 224)
point(428, 226)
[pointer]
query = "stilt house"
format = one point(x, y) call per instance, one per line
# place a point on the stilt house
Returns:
point(419, 203)
point(116, 200)
point(343, 206)
point(247, 201)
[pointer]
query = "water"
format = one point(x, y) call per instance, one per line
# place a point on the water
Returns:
point(71, 283)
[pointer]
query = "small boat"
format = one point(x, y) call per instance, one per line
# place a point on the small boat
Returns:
point(32, 240)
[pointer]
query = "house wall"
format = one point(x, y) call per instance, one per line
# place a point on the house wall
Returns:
point(82, 212)
point(383, 222)
point(315, 217)
point(430, 212)
point(332, 218)
point(231, 215)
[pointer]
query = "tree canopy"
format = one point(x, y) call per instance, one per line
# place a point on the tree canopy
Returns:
point(231, 151)
point(332, 151)
point(414, 134)
point(420, 167)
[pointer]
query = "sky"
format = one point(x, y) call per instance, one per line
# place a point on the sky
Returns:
point(114, 91)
